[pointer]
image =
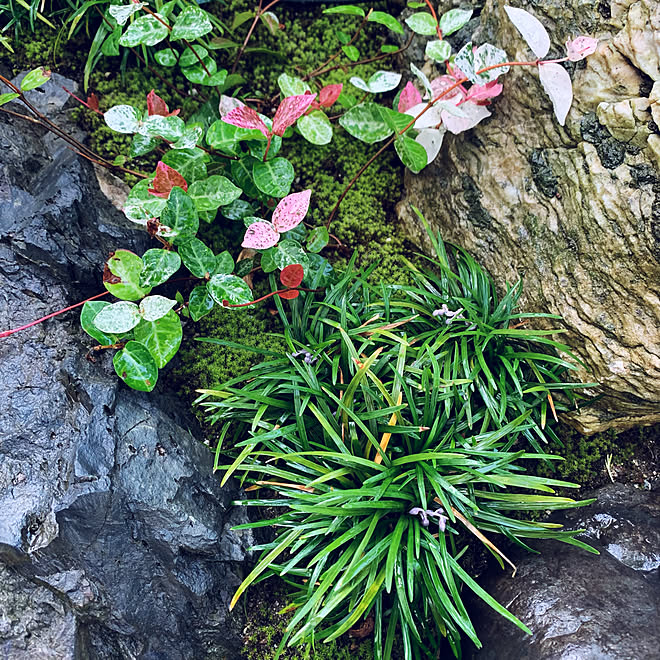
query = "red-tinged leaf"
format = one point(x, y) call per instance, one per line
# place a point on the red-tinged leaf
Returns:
point(329, 94)
point(292, 275)
point(156, 106)
point(166, 178)
point(260, 236)
point(93, 101)
point(444, 88)
point(580, 48)
point(409, 98)
point(290, 110)
point(291, 211)
point(245, 117)
point(288, 295)
point(483, 93)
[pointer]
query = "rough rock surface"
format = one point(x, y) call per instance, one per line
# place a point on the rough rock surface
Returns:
point(574, 209)
point(581, 606)
point(114, 534)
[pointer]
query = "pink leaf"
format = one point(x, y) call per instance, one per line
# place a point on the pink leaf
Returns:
point(483, 93)
point(291, 211)
point(473, 114)
point(557, 85)
point(260, 236)
point(156, 106)
point(166, 178)
point(228, 103)
point(292, 275)
point(531, 29)
point(290, 110)
point(580, 48)
point(245, 117)
point(444, 88)
point(329, 94)
point(409, 98)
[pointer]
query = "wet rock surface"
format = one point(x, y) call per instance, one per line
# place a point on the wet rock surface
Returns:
point(581, 606)
point(575, 210)
point(114, 534)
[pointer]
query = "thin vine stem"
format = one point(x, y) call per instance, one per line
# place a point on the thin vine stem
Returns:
point(259, 13)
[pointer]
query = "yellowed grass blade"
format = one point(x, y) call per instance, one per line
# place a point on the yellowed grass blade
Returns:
point(385, 440)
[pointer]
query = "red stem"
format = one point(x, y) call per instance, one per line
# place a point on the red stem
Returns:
point(435, 18)
point(98, 112)
point(7, 333)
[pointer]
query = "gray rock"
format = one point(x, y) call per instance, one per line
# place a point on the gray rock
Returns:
point(115, 537)
point(581, 606)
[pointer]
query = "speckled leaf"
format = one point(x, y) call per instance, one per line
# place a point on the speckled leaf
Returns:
point(290, 110)
point(179, 219)
point(486, 56)
point(121, 276)
point(464, 60)
point(162, 338)
point(438, 51)
point(159, 266)
point(197, 257)
point(260, 235)
point(192, 135)
point(224, 264)
point(274, 177)
point(191, 24)
point(381, 81)
point(209, 194)
point(123, 118)
point(291, 211)
point(121, 13)
point(154, 307)
point(189, 163)
point(230, 288)
point(245, 117)
point(200, 302)
point(141, 145)
point(87, 315)
point(318, 238)
point(316, 127)
point(146, 30)
point(365, 123)
point(165, 179)
point(292, 86)
point(290, 252)
point(135, 366)
point(237, 210)
point(453, 20)
point(141, 205)
point(191, 55)
point(170, 128)
point(166, 57)
point(422, 23)
point(241, 173)
point(118, 318)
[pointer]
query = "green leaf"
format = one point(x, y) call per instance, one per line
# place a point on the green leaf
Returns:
point(274, 177)
point(237, 210)
point(381, 81)
point(321, 272)
point(200, 302)
point(159, 266)
point(118, 318)
point(230, 288)
point(352, 10)
point(267, 263)
point(162, 338)
point(412, 154)
point(292, 86)
point(387, 20)
point(192, 135)
point(197, 257)
point(9, 96)
point(224, 264)
point(289, 252)
point(189, 163)
point(213, 192)
point(123, 118)
point(485, 56)
point(179, 219)
point(191, 24)
point(422, 23)
point(191, 55)
point(226, 137)
point(199, 73)
point(135, 366)
point(154, 307)
point(464, 60)
point(166, 57)
point(318, 238)
point(87, 315)
point(145, 30)
point(243, 267)
point(315, 127)
point(438, 50)
point(141, 145)
point(241, 172)
point(388, 48)
point(35, 78)
point(110, 47)
point(351, 52)
point(169, 128)
point(365, 123)
point(141, 205)
point(122, 276)
point(454, 20)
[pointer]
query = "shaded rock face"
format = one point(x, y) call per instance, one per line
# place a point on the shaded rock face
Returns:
point(581, 606)
point(115, 537)
point(574, 209)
